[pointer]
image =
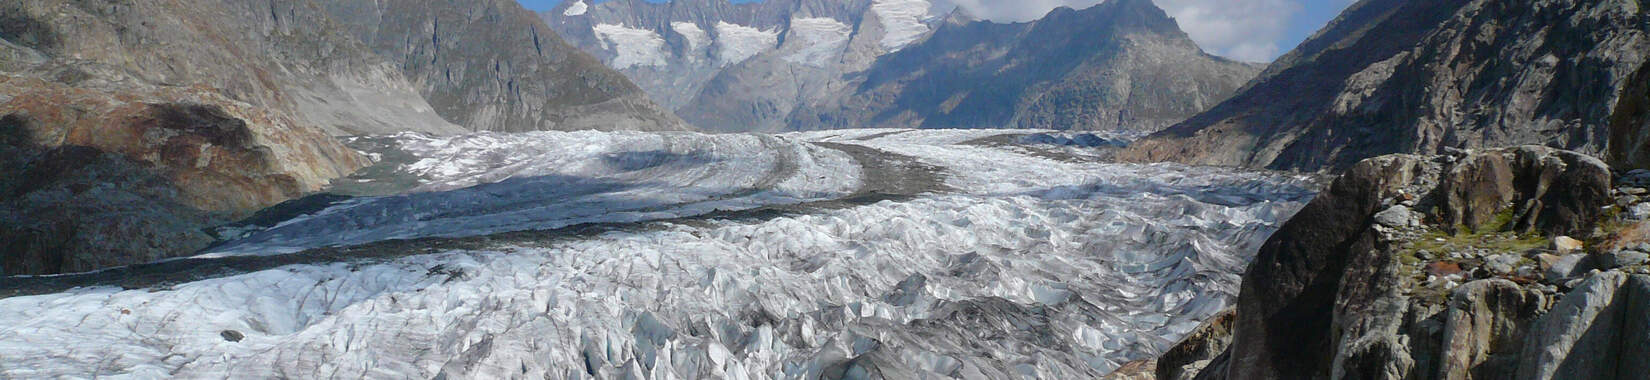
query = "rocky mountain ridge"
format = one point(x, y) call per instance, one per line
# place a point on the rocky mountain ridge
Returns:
point(806, 65)
point(1122, 65)
point(1402, 76)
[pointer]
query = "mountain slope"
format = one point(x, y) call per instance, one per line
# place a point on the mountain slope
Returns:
point(130, 127)
point(1120, 65)
point(805, 64)
point(740, 67)
point(1399, 76)
point(494, 66)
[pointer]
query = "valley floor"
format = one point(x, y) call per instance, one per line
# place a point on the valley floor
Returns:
point(899, 253)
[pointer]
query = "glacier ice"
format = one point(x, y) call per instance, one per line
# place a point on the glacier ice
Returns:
point(1021, 264)
point(822, 38)
point(632, 47)
point(696, 37)
point(737, 43)
point(903, 21)
point(578, 8)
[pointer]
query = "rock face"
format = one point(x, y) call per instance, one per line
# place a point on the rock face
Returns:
point(129, 126)
point(1123, 65)
point(493, 66)
point(1410, 76)
point(1334, 294)
point(811, 64)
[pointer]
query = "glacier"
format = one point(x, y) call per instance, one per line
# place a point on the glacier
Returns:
point(632, 47)
point(830, 254)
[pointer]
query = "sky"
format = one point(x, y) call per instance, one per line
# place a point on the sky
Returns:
point(1247, 30)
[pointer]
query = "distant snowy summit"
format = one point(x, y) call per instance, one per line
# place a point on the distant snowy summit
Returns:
point(786, 65)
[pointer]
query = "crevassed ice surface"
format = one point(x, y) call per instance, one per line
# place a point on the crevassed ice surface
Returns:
point(1028, 261)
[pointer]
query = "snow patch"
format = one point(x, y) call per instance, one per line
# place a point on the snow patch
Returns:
point(902, 21)
point(737, 43)
point(633, 47)
point(577, 9)
point(822, 39)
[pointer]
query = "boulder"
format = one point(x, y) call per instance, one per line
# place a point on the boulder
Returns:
point(1566, 267)
point(1397, 217)
point(1566, 244)
point(1502, 264)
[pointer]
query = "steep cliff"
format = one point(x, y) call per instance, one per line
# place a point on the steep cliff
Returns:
point(1408, 76)
point(1445, 267)
point(1122, 65)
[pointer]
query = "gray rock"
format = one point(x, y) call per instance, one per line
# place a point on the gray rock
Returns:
point(1620, 258)
point(1597, 331)
point(1485, 327)
point(232, 335)
point(1636, 177)
point(1565, 268)
point(1397, 217)
point(1502, 264)
point(1640, 211)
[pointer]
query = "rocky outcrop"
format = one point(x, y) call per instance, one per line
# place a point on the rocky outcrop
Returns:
point(1199, 351)
point(1453, 290)
point(1410, 76)
point(494, 66)
point(1123, 65)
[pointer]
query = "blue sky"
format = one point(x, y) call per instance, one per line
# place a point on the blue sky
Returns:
point(1250, 30)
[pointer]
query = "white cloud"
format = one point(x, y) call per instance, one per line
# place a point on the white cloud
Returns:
point(1239, 29)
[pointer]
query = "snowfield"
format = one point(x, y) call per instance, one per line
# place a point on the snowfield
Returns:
point(859, 254)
